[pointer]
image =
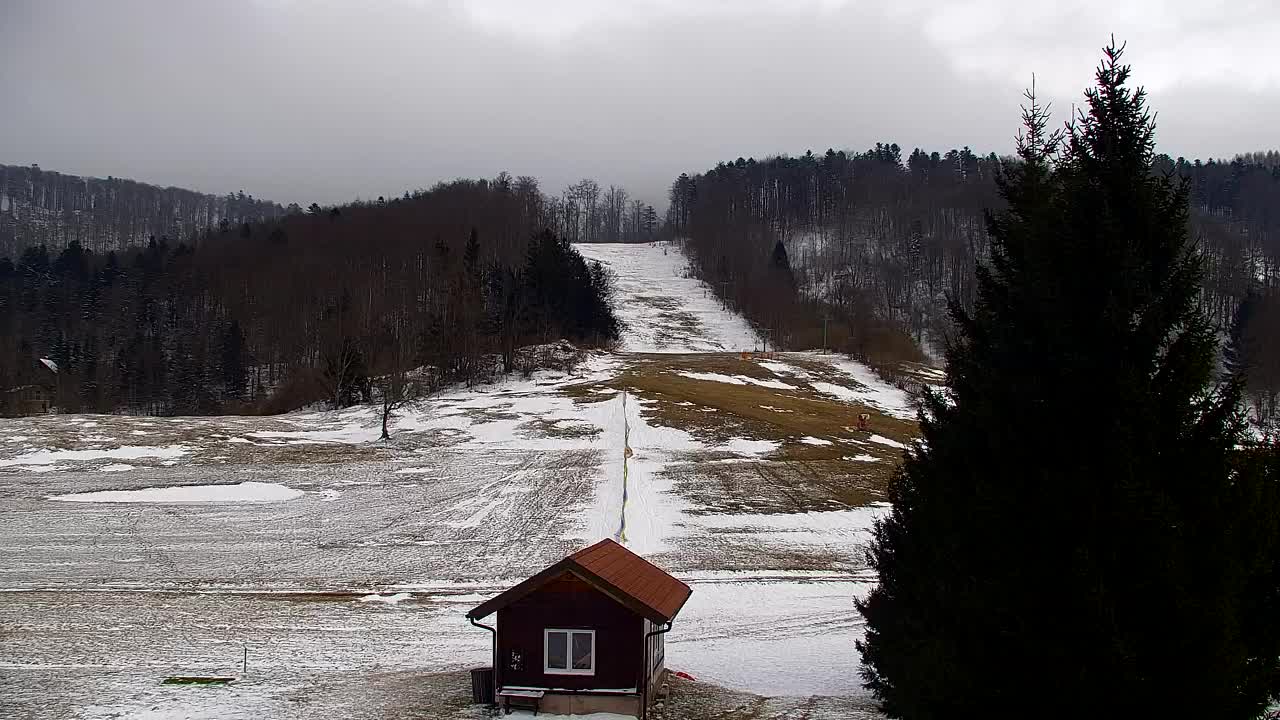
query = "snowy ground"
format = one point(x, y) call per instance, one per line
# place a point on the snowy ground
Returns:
point(132, 549)
point(664, 310)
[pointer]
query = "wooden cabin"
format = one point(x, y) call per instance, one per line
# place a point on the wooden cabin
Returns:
point(584, 635)
point(32, 398)
point(26, 400)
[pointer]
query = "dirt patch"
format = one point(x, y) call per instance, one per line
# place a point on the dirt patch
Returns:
point(823, 461)
point(769, 486)
point(315, 597)
point(693, 700)
point(716, 411)
point(677, 324)
point(404, 695)
point(194, 680)
point(562, 429)
point(273, 452)
point(481, 416)
point(743, 551)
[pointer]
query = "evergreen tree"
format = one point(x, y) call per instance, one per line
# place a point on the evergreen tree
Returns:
point(779, 260)
point(1075, 536)
point(235, 373)
point(471, 257)
point(90, 392)
point(505, 310)
point(1239, 348)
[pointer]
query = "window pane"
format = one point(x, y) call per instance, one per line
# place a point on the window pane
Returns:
point(582, 651)
point(558, 650)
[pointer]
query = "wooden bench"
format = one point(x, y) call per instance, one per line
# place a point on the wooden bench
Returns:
point(525, 698)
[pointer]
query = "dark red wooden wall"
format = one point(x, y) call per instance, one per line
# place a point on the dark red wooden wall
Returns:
point(568, 603)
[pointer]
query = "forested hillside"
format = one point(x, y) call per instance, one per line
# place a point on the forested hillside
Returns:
point(875, 244)
point(40, 207)
point(271, 315)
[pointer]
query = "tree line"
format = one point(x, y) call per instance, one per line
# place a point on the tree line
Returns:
point(585, 212)
point(312, 306)
point(878, 244)
point(41, 207)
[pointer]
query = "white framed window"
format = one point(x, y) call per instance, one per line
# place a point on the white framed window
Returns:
point(568, 652)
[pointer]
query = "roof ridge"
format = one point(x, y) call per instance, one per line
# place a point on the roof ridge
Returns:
point(637, 555)
point(614, 574)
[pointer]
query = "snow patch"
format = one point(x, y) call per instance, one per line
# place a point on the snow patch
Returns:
point(775, 409)
point(873, 391)
point(736, 379)
point(588, 716)
point(643, 513)
point(387, 599)
point(352, 426)
point(838, 392)
point(744, 446)
point(886, 441)
point(798, 643)
point(49, 457)
point(250, 492)
point(666, 310)
point(778, 368)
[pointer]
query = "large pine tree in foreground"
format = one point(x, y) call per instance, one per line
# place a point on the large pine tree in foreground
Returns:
point(1078, 534)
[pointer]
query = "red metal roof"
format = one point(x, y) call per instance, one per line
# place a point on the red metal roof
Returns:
point(614, 570)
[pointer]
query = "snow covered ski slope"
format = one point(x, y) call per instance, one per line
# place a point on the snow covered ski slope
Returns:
point(135, 548)
point(663, 309)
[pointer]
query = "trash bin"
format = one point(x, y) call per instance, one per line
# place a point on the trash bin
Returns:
point(482, 685)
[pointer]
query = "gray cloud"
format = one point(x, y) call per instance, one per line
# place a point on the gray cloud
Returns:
point(302, 101)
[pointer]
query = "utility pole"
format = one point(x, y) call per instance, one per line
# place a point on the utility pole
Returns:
point(824, 333)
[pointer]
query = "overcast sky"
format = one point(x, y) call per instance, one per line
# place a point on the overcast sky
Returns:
point(302, 100)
